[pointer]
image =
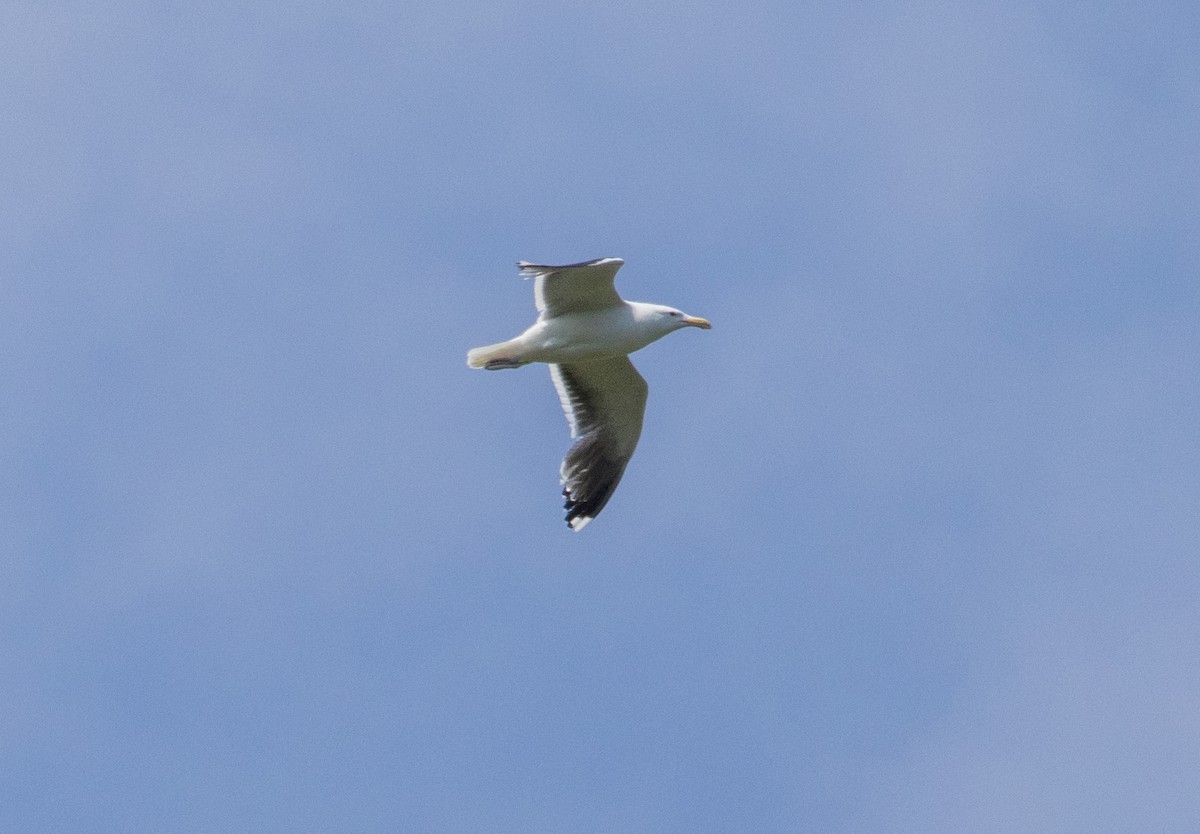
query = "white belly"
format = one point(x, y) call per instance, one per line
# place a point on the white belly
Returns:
point(586, 336)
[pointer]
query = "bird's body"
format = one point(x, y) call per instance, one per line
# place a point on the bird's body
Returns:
point(585, 337)
point(585, 332)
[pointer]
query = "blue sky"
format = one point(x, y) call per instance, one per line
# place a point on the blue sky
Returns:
point(910, 542)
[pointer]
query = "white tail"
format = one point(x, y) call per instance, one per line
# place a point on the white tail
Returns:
point(479, 357)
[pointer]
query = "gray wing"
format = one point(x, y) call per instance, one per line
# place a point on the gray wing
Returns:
point(604, 402)
point(573, 288)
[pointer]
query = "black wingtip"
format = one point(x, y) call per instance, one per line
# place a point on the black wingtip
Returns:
point(574, 508)
point(584, 511)
point(590, 478)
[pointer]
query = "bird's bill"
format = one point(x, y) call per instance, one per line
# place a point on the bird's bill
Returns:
point(696, 321)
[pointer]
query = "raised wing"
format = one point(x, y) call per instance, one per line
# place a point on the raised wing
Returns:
point(573, 288)
point(604, 402)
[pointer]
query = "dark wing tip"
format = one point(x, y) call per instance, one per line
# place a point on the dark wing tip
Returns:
point(579, 513)
point(592, 479)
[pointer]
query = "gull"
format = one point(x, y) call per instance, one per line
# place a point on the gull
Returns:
point(585, 332)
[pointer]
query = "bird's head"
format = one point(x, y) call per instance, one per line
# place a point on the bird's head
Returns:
point(674, 319)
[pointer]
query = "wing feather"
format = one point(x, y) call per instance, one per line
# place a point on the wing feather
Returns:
point(604, 402)
point(573, 288)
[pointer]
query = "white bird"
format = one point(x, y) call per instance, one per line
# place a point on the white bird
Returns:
point(585, 332)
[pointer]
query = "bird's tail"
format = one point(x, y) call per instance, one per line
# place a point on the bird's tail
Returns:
point(494, 357)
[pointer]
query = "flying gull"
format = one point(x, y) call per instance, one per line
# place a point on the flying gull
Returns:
point(585, 332)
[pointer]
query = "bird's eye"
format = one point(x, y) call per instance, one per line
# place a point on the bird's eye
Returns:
point(673, 313)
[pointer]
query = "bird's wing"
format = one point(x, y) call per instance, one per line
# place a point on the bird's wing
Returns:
point(573, 288)
point(604, 402)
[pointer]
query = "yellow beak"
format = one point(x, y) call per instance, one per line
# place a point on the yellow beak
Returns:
point(696, 321)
